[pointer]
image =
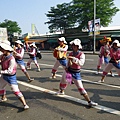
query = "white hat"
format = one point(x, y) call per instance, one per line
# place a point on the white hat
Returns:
point(76, 42)
point(5, 41)
point(19, 42)
point(6, 46)
point(33, 44)
point(62, 39)
point(117, 42)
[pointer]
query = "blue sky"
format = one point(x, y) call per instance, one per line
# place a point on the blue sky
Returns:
point(27, 12)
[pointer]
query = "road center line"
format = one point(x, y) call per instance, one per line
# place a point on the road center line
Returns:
point(99, 107)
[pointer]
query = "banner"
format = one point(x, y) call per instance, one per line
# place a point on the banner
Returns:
point(3, 34)
point(91, 27)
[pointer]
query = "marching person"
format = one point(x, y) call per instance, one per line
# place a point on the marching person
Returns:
point(76, 59)
point(32, 55)
point(8, 74)
point(104, 54)
point(18, 54)
point(60, 55)
point(114, 61)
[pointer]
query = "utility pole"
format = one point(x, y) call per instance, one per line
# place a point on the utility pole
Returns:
point(94, 26)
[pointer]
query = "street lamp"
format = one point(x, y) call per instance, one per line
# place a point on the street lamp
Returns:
point(94, 50)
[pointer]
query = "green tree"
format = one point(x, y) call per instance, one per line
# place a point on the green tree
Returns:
point(59, 18)
point(79, 12)
point(11, 26)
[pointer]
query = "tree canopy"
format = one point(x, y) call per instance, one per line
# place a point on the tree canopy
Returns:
point(77, 13)
point(11, 26)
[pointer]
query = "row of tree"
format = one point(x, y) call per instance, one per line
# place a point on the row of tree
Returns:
point(77, 13)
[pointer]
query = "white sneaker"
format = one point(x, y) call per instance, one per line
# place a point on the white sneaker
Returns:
point(92, 104)
point(53, 77)
point(38, 70)
point(60, 93)
point(28, 68)
point(3, 100)
point(101, 81)
point(112, 75)
point(26, 107)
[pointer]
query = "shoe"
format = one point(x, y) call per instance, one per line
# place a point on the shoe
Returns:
point(28, 68)
point(3, 100)
point(112, 75)
point(30, 80)
point(72, 82)
point(26, 107)
point(60, 93)
point(38, 70)
point(91, 103)
point(53, 77)
point(101, 81)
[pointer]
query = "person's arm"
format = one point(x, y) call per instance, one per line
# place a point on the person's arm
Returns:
point(79, 61)
point(63, 49)
point(20, 55)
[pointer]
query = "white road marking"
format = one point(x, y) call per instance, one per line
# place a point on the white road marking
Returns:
point(99, 107)
point(84, 79)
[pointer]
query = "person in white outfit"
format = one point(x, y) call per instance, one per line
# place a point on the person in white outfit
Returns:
point(76, 59)
point(32, 55)
point(60, 55)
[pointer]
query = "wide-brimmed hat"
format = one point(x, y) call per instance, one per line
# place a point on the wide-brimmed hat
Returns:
point(106, 39)
point(19, 42)
point(6, 46)
point(62, 39)
point(5, 41)
point(117, 42)
point(33, 44)
point(77, 42)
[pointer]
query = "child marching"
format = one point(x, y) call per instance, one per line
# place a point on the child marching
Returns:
point(76, 59)
point(104, 54)
point(18, 54)
point(8, 74)
point(60, 55)
point(32, 55)
point(114, 61)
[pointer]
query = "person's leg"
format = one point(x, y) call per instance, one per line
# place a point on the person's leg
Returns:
point(3, 83)
point(100, 62)
point(37, 65)
point(63, 83)
point(25, 72)
point(54, 69)
point(108, 67)
point(83, 92)
point(112, 74)
point(20, 96)
point(29, 63)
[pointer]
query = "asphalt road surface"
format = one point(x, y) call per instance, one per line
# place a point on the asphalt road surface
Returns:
point(45, 105)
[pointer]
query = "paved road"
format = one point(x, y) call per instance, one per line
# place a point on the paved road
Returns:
point(45, 105)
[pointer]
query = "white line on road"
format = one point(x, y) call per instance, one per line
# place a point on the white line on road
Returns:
point(99, 107)
point(84, 79)
point(96, 82)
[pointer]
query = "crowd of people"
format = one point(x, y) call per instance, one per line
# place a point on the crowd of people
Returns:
point(72, 63)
